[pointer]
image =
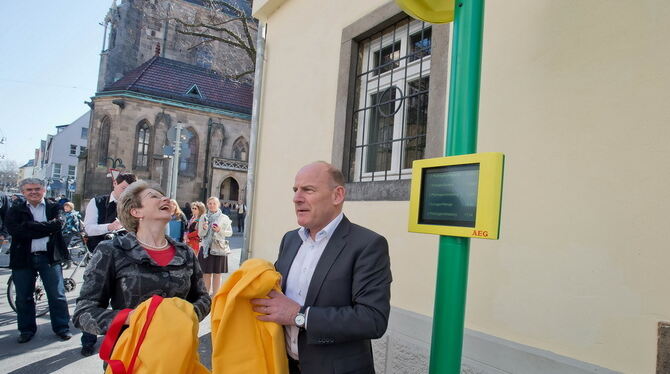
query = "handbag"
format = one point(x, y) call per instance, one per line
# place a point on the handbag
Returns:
point(224, 249)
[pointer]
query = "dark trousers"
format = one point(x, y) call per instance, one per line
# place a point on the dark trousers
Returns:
point(293, 366)
point(240, 222)
point(88, 339)
point(52, 278)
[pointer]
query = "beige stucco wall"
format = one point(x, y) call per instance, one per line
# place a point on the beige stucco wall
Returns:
point(573, 92)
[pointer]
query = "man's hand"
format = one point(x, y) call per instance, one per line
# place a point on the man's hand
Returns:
point(114, 226)
point(278, 308)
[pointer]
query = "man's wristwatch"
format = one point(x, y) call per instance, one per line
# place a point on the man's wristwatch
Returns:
point(300, 320)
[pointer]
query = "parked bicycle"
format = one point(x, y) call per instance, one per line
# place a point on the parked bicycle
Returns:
point(40, 296)
point(80, 257)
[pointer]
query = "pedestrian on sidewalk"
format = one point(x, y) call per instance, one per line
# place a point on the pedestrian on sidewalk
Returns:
point(214, 227)
point(37, 247)
point(177, 225)
point(192, 237)
point(241, 210)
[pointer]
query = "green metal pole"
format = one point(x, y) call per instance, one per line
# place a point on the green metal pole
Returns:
point(454, 252)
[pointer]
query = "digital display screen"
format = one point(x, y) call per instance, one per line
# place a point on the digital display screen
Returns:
point(449, 195)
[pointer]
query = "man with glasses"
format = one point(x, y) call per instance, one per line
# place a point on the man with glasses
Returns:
point(37, 247)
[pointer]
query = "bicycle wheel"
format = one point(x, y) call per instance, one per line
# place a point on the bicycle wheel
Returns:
point(40, 296)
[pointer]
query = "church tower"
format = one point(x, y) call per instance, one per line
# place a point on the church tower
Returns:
point(133, 29)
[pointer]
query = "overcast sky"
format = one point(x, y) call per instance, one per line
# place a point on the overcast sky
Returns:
point(50, 57)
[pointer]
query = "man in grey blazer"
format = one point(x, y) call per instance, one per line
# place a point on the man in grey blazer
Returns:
point(336, 278)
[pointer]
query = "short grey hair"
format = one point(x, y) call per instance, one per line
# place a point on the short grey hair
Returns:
point(131, 199)
point(25, 181)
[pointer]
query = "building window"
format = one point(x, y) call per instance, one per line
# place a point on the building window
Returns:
point(71, 171)
point(391, 102)
point(84, 132)
point(189, 157)
point(73, 150)
point(82, 149)
point(142, 149)
point(103, 141)
point(240, 149)
point(56, 171)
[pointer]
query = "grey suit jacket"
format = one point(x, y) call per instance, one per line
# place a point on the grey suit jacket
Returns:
point(348, 296)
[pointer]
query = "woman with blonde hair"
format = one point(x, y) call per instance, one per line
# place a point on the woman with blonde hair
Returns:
point(191, 237)
point(213, 228)
point(177, 224)
point(129, 269)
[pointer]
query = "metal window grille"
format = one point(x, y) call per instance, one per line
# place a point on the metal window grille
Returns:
point(388, 126)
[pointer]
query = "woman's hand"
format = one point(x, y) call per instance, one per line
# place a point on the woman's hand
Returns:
point(216, 228)
point(127, 322)
point(205, 226)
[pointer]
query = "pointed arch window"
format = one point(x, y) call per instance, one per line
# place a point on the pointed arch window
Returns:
point(142, 149)
point(240, 149)
point(103, 141)
point(189, 157)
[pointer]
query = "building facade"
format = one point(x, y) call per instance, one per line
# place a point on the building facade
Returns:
point(58, 156)
point(134, 27)
point(572, 92)
point(26, 170)
point(134, 119)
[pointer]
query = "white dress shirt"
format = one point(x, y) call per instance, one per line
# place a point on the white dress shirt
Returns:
point(91, 225)
point(300, 275)
point(39, 215)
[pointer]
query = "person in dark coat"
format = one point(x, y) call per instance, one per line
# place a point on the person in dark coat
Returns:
point(336, 279)
point(37, 247)
point(128, 270)
point(100, 220)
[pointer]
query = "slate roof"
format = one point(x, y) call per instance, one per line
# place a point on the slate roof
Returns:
point(172, 79)
point(28, 164)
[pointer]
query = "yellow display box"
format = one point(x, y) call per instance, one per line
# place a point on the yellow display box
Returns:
point(457, 195)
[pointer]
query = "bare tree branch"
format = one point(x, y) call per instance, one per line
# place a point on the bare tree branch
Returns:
point(224, 23)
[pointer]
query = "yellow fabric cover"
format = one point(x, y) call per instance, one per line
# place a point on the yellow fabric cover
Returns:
point(171, 342)
point(241, 344)
point(433, 11)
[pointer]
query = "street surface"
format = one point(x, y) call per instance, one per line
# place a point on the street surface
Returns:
point(46, 353)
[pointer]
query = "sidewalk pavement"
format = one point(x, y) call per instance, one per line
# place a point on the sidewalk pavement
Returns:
point(46, 353)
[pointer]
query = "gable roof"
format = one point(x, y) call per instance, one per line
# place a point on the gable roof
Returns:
point(174, 80)
point(28, 164)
